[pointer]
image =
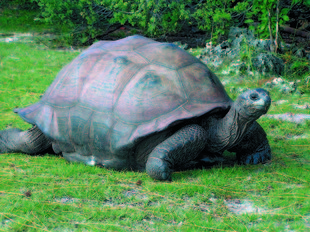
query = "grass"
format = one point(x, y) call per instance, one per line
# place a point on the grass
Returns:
point(22, 21)
point(46, 193)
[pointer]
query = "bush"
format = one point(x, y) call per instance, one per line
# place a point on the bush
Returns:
point(90, 18)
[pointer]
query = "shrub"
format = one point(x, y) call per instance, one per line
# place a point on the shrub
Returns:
point(90, 18)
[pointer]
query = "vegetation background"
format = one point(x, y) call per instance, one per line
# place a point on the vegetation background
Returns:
point(87, 20)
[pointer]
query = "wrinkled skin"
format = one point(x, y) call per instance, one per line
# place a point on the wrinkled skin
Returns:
point(137, 104)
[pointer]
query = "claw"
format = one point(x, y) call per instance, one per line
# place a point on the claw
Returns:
point(256, 160)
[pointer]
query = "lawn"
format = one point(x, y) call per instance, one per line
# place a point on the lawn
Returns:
point(47, 193)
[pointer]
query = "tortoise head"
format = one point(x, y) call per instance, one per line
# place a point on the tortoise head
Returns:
point(253, 103)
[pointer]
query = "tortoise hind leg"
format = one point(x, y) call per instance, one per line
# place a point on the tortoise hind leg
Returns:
point(180, 151)
point(31, 141)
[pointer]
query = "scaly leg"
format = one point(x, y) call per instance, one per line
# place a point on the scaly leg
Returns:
point(179, 151)
point(31, 141)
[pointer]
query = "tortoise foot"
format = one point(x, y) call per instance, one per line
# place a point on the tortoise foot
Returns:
point(158, 169)
point(261, 155)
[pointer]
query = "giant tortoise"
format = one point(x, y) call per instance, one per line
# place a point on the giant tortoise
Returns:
point(138, 104)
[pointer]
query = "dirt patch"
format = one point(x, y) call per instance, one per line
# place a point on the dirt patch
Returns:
point(304, 107)
point(17, 37)
point(243, 206)
point(67, 200)
point(290, 117)
point(203, 207)
point(303, 136)
point(135, 193)
point(6, 222)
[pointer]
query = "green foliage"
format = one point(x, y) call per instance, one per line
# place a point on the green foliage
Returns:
point(90, 18)
point(260, 11)
point(216, 16)
point(78, 15)
point(246, 54)
point(305, 2)
point(153, 16)
point(295, 67)
point(301, 66)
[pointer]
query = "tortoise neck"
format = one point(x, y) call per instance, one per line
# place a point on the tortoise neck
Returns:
point(236, 124)
point(228, 131)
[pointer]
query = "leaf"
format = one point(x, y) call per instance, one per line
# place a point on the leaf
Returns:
point(249, 21)
point(285, 11)
point(285, 18)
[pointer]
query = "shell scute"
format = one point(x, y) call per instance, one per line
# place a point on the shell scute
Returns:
point(167, 55)
point(100, 129)
point(151, 93)
point(201, 85)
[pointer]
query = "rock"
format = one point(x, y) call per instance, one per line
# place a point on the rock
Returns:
point(285, 90)
point(299, 52)
point(304, 107)
point(303, 136)
point(283, 86)
point(290, 117)
point(238, 89)
point(183, 46)
point(262, 44)
point(241, 36)
point(235, 32)
point(213, 61)
point(268, 63)
point(277, 81)
point(280, 102)
point(232, 49)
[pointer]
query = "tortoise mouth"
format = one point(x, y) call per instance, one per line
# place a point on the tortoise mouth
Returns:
point(261, 109)
point(263, 104)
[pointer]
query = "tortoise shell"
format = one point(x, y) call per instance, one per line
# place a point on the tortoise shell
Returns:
point(116, 92)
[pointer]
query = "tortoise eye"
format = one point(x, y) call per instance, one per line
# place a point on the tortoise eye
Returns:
point(254, 96)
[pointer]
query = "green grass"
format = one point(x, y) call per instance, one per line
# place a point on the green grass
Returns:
point(21, 21)
point(24, 24)
point(46, 193)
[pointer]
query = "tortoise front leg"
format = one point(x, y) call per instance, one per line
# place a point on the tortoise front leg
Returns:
point(254, 147)
point(179, 151)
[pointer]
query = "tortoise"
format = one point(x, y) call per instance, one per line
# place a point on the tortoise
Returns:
point(138, 104)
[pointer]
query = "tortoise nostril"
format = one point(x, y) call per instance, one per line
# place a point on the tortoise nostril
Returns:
point(254, 97)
